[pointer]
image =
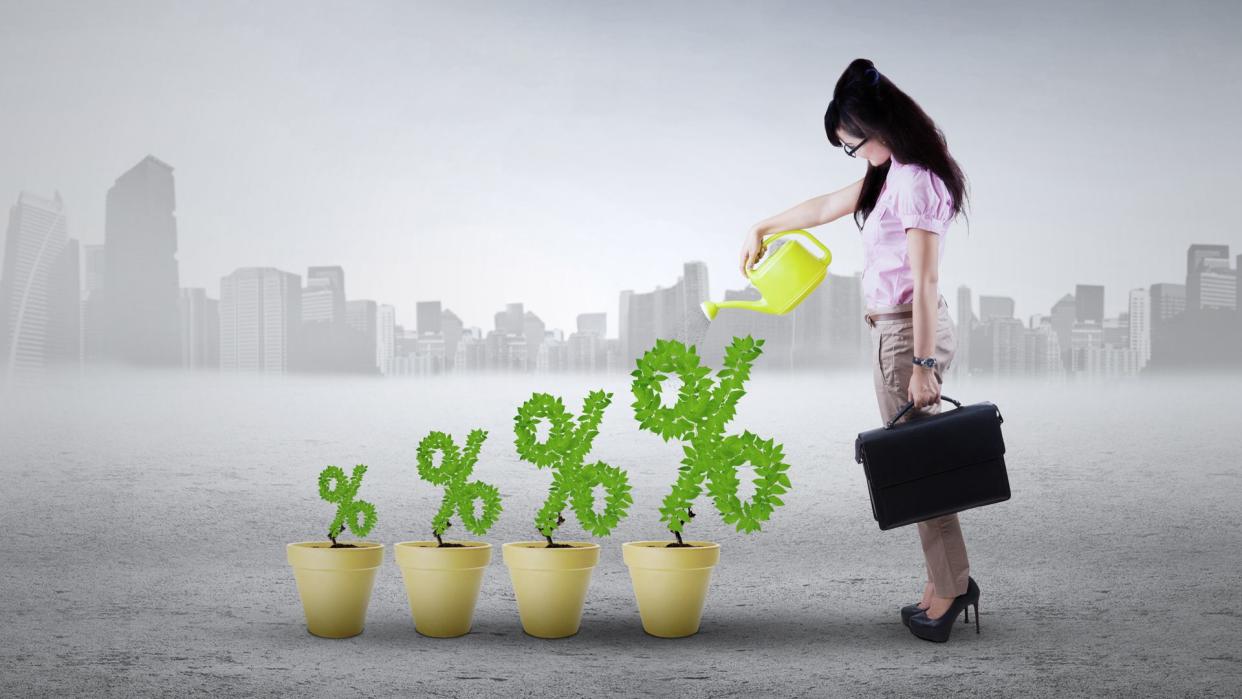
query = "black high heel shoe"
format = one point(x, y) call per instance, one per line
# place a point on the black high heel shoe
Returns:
point(911, 609)
point(938, 629)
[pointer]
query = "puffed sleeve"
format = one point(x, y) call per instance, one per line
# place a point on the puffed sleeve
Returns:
point(923, 201)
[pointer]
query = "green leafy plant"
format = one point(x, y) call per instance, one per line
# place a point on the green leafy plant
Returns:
point(347, 508)
point(572, 481)
point(459, 495)
point(704, 407)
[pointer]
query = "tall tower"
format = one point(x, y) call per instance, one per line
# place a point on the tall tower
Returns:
point(323, 299)
point(200, 330)
point(260, 312)
point(39, 291)
point(385, 337)
point(1140, 324)
point(428, 318)
point(965, 325)
point(141, 288)
point(1196, 256)
point(1089, 304)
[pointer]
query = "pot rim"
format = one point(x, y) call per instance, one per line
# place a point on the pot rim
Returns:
point(662, 545)
point(466, 545)
point(573, 545)
point(319, 555)
point(357, 546)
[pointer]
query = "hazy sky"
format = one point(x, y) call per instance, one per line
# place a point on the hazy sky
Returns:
point(557, 153)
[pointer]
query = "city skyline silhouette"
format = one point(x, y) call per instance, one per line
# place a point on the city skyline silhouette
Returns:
point(133, 311)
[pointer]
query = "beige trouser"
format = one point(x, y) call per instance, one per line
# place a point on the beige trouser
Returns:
point(944, 550)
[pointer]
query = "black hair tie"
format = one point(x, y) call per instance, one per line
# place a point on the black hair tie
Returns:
point(875, 80)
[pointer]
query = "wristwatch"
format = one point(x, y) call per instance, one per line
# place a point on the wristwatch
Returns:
point(929, 362)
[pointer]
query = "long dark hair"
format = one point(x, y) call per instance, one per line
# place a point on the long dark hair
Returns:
point(866, 104)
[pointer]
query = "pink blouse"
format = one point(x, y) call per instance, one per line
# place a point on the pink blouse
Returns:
point(912, 197)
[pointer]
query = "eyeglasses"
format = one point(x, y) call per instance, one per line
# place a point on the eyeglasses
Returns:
point(851, 150)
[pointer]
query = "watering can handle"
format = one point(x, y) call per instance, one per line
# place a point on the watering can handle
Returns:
point(827, 254)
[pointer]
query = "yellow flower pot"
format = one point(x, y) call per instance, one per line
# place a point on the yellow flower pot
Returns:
point(550, 584)
point(335, 584)
point(670, 584)
point(442, 583)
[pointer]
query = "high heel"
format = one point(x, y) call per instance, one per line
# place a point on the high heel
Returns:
point(938, 629)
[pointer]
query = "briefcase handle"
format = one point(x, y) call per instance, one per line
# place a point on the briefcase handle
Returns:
point(909, 405)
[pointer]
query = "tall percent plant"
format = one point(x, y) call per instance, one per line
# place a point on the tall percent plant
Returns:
point(459, 494)
point(573, 482)
point(704, 407)
point(347, 508)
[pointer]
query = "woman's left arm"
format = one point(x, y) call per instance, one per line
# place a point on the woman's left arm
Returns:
point(923, 250)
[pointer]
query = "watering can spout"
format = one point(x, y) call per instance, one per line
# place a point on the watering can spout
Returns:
point(710, 308)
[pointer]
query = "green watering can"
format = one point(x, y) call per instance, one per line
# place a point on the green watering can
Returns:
point(783, 278)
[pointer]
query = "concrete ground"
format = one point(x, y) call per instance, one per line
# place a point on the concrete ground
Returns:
point(145, 522)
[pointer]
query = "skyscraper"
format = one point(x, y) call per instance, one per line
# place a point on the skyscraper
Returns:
point(1218, 285)
point(1196, 255)
point(200, 329)
point(1140, 324)
point(511, 320)
point(260, 308)
point(1042, 352)
point(1089, 304)
point(965, 326)
point(428, 316)
point(39, 291)
point(141, 289)
point(533, 330)
point(1237, 300)
point(362, 317)
point(991, 307)
point(385, 331)
point(323, 299)
point(1167, 301)
point(451, 329)
point(1008, 345)
point(1064, 315)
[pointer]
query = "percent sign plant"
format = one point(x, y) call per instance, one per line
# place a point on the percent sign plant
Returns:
point(704, 407)
point(347, 508)
point(459, 494)
point(573, 482)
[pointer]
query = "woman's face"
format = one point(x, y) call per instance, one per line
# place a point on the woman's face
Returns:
point(872, 150)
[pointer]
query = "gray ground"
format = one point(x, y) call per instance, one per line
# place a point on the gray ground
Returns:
point(145, 522)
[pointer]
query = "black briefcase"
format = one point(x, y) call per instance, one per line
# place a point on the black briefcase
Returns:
point(934, 465)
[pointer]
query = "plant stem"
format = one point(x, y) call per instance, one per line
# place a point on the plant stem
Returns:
point(680, 543)
point(440, 543)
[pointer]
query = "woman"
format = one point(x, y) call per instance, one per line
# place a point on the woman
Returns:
point(903, 205)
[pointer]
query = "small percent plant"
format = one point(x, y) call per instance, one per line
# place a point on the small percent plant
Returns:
point(704, 407)
point(459, 494)
point(347, 508)
point(566, 447)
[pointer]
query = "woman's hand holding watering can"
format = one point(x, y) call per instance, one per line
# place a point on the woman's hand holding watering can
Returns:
point(752, 249)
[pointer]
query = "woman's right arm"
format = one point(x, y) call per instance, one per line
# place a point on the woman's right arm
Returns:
point(810, 213)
